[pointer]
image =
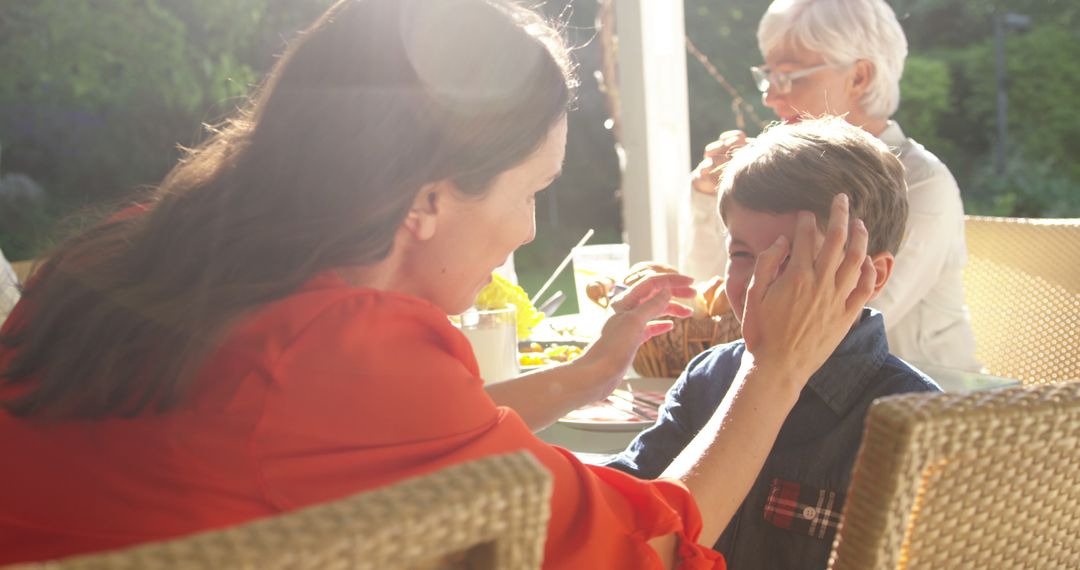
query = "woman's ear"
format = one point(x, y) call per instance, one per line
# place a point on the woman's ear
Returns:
point(862, 73)
point(883, 264)
point(422, 219)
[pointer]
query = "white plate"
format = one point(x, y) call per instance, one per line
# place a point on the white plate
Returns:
point(605, 426)
point(632, 423)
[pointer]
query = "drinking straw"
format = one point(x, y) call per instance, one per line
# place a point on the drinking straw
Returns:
point(559, 269)
point(552, 304)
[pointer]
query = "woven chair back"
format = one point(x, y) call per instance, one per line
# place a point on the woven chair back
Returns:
point(488, 513)
point(1022, 285)
point(958, 481)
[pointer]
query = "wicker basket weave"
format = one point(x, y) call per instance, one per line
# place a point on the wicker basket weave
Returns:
point(667, 355)
point(486, 513)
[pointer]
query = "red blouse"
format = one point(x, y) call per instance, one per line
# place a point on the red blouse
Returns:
point(328, 392)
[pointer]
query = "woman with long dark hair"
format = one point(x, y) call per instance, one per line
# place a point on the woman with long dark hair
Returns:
point(269, 330)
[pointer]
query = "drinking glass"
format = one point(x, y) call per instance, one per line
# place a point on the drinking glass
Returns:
point(493, 336)
point(603, 262)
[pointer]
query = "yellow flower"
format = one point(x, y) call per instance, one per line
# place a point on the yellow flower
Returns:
point(501, 292)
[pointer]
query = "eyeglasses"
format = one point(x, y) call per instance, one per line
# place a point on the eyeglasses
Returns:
point(765, 78)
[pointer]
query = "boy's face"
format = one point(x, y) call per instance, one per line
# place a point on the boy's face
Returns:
point(750, 233)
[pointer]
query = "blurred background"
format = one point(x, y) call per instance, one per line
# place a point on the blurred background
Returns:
point(97, 96)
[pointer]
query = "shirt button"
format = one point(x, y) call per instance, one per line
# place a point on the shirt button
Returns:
point(809, 513)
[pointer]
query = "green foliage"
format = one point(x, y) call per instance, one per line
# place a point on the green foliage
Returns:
point(924, 91)
point(1044, 67)
point(934, 24)
point(1028, 188)
point(726, 32)
point(1043, 70)
point(95, 97)
point(948, 93)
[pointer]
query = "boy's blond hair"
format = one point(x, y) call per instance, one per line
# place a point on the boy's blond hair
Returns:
point(802, 166)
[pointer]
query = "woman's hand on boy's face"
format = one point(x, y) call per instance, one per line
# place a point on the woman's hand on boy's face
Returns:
point(795, 318)
point(707, 174)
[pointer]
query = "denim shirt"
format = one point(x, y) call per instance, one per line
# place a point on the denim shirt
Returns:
point(788, 520)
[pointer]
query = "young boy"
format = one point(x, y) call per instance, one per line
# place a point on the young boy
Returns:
point(789, 518)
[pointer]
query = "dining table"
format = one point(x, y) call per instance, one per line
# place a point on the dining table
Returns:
point(593, 438)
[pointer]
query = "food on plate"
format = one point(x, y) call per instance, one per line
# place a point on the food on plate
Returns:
point(531, 347)
point(537, 354)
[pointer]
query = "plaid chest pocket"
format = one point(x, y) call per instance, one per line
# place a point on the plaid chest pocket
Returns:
point(802, 509)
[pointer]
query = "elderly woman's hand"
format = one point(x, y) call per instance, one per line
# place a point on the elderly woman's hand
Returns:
point(706, 176)
point(634, 322)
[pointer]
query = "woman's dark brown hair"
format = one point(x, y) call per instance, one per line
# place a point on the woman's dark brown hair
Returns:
point(376, 99)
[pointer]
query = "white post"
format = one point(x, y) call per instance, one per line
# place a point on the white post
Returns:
point(655, 124)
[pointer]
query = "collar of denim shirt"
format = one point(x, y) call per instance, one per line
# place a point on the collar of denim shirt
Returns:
point(844, 376)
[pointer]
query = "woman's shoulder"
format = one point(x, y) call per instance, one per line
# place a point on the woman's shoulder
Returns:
point(921, 166)
point(327, 297)
point(331, 353)
point(345, 325)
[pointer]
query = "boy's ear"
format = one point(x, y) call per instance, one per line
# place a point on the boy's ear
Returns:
point(862, 72)
point(883, 264)
point(422, 219)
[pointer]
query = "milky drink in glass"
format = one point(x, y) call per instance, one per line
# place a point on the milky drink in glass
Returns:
point(493, 336)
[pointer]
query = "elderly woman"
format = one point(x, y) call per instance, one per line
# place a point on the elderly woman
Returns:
point(845, 57)
point(270, 330)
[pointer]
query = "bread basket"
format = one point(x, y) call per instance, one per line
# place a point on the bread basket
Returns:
point(667, 355)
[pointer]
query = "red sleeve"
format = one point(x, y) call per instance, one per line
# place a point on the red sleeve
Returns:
point(380, 387)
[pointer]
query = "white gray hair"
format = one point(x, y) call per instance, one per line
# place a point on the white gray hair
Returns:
point(843, 31)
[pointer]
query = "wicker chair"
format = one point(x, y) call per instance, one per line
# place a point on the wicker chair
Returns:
point(958, 481)
point(489, 513)
point(1022, 284)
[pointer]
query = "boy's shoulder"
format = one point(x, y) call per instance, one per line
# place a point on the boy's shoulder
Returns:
point(715, 366)
point(920, 165)
point(899, 377)
point(705, 381)
point(720, 356)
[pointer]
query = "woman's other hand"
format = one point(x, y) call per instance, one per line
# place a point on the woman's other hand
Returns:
point(801, 303)
point(634, 322)
point(543, 396)
point(706, 176)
